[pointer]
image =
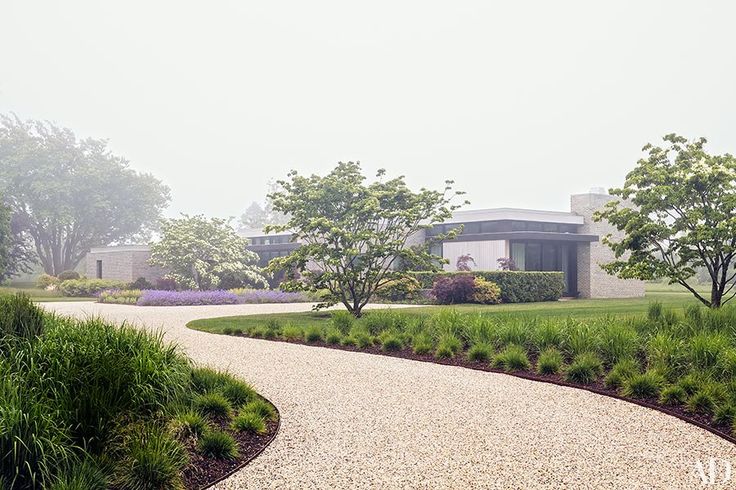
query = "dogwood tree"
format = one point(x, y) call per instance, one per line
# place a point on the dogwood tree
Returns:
point(201, 253)
point(353, 233)
point(683, 218)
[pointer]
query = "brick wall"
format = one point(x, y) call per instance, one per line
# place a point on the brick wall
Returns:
point(593, 281)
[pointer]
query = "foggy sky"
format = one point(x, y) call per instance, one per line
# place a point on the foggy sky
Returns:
point(521, 103)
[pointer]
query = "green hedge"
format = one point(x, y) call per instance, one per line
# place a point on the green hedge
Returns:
point(516, 286)
point(89, 287)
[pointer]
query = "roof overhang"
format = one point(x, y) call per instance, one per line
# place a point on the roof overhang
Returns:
point(526, 235)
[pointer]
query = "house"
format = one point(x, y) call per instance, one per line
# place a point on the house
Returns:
point(536, 240)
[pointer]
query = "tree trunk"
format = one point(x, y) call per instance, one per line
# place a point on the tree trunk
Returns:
point(716, 295)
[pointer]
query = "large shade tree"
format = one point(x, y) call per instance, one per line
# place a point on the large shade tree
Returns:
point(353, 233)
point(69, 195)
point(683, 218)
point(201, 253)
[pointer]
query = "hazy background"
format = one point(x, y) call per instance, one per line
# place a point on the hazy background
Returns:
point(521, 103)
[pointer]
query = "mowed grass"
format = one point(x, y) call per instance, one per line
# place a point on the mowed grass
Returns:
point(669, 296)
point(38, 295)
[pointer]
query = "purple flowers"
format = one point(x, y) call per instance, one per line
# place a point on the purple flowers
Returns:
point(150, 297)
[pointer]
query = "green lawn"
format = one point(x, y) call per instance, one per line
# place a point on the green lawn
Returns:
point(38, 295)
point(579, 308)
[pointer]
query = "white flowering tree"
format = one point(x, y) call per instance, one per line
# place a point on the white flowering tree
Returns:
point(201, 253)
point(684, 218)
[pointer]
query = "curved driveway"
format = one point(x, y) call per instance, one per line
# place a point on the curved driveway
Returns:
point(352, 420)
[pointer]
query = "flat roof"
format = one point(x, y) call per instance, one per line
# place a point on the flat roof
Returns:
point(121, 248)
point(515, 214)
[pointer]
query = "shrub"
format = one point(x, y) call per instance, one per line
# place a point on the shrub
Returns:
point(213, 404)
point(165, 284)
point(67, 275)
point(249, 422)
point(292, 332)
point(447, 346)
point(422, 343)
point(620, 372)
point(333, 336)
point(645, 385)
point(313, 333)
point(584, 368)
point(218, 444)
point(120, 297)
point(480, 352)
point(486, 292)
point(140, 283)
point(88, 287)
point(342, 320)
point(260, 407)
point(151, 459)
point(549, 361)
point(454, 289)
point(512, 358)
point(672, 395)
point(402, 289)
point(516, 286)
point(46, 281)
point(188, 424)
point(186, 298)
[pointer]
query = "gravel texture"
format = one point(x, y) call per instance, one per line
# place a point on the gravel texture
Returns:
point(353, 420)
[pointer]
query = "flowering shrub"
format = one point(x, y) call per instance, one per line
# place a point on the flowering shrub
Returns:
point(151, 297)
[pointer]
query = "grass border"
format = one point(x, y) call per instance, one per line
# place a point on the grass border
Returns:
point(246, 461)
point(487, 368)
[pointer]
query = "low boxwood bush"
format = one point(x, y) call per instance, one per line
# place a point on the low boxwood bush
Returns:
point(218, 444)
point(512, 358)
point(584, 368)
point(549, 361)
point(516, 286)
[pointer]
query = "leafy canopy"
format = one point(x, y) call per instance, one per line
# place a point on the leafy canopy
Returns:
point(352, 234)
point(683, 218)
point(201, 253)
point(69, 195)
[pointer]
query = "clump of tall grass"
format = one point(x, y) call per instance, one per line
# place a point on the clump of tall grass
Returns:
point(617, 341)
point(150, 458)
point(584, 368)
point(448, 346)
point(480, 352)
point(549, 361)
point(620, 372)
point(342, 320)
point(512, 358)
point(644, 385)
point(218, 444)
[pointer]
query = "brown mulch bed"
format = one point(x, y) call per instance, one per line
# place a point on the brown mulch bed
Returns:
point(700, 420)
point(203, 472)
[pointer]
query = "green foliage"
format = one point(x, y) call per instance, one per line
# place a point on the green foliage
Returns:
point(19, 317)
point(404, 288)
point(67, 275)
point(261, 407)
point(645, 385)
point(207, 379)
point(390, 342)
point(86, 475)
point(654, 311)
point(422, 343)
point(549, 361)
point(249, 421)
point(486, 292)
point(88, 287)
point(151, 459)
point(213, 404)
point(480, 352)
point(512, 358)
point(725, 414)
point(516, 286)
point(238, 392)
point(580, 337)
point(188, 423)
point(684, 217)
point(313, 334)
point(352, 232)
point(672, 395)
point(621, 372)
point(205, 253)
point(333, 336)
point(342, 320)
point(547, 334)
point(705, 348)
point(617, 341)
point(584, 368)
point(703, 401)
point(120, 296)
point(664, 352)
point(46, 281)
point(292, 332)
point(71, 195)
point(218, 444)
point(448, 346)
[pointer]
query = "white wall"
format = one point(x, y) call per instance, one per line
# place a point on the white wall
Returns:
point(485, 253)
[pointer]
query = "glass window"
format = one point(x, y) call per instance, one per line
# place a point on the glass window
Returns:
point(518, 255)
point(551, 227)
point(549, 257)
point(490, 227)
point(471, 228)
point(533, 257)
point(518, 226)
point(534, 226)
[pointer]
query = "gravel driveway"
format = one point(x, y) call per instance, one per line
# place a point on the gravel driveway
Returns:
point(352, 420)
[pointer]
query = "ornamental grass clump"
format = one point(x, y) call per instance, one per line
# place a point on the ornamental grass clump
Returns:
point(512, 358)
point(292, 332)
point(422, 343)
point(218, 444)
point(390, 342)
point(249, 422)
point(188, 423)
point(313, 334)
point(549, 361)
point(260, 407)
point(151, 458)
point(213, 404)
point(672, 395)
point(238, 392)
point(333, 336)
point(620, 372)
point(448, 346)
point(480, 352)
point(584, 368)
point(644, 385)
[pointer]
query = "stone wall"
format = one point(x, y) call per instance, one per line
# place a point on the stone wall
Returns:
point(593, 281)
point(123, 264)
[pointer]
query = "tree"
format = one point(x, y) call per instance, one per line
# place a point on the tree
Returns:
point(6, 239)
point(683, 217)
point(352, 233)
point(17, 256)
point(70, 195)
point(463, 262)
point(257, 216)
point(201, 253)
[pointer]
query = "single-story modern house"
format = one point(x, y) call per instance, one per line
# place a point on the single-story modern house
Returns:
point(535, 240)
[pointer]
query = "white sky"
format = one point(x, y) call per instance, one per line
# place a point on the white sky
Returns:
point(521, 103)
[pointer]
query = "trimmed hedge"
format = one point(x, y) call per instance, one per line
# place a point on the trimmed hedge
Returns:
point(88, 287)
point(516, 286)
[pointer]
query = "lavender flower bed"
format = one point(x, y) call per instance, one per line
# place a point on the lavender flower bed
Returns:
point(150, 297)
point(271, 296)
